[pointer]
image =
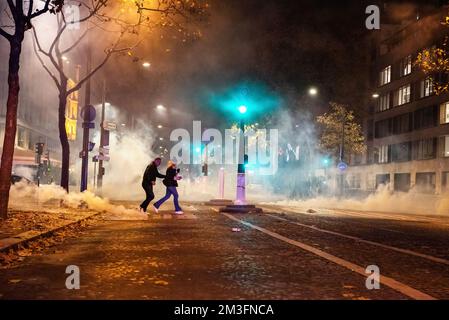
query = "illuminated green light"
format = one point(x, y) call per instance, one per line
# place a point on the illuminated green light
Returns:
point(242, 109)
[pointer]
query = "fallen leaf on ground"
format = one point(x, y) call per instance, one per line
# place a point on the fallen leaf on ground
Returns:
point(161, 282)
point(14, 281)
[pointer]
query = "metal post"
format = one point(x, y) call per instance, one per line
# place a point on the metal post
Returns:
point(241, 188)
point(95, 175)
point(342, 152)
point(102, 134)
point(85, 150)
point(221, 182)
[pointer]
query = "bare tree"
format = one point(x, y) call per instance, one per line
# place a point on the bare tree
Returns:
point(56, 68)
point(21, 14)
point(104, 16)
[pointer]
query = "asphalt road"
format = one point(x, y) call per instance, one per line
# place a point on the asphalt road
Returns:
point(284, 253)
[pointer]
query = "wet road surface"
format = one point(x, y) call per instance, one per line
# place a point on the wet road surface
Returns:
point(281, 254)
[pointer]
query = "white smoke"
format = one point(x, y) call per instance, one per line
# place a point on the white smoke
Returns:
point(383, 200)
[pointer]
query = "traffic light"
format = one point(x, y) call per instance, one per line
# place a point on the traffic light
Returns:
point(39, 148)
point(205, 169)
point(325, 161)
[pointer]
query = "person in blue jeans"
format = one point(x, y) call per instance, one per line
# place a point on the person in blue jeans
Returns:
point(171, 182)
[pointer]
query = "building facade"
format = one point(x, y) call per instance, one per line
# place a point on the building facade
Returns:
point(37, 115)
point(407, 123)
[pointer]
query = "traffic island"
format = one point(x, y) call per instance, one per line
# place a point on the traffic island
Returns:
point(244, 208)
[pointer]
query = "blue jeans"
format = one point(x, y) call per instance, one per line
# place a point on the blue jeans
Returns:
point(170, 191)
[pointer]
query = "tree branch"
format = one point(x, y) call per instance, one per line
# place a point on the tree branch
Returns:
point(5, 34)
point(43, 63)
point(12, 7)
point(30, 8)
point(109, 53)
point(43, 10)
point(77, 42)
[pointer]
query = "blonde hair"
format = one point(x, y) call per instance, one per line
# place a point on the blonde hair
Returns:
point(171, 164)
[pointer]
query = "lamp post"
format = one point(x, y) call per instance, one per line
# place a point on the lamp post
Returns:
point(240, 204)
point(241, 181)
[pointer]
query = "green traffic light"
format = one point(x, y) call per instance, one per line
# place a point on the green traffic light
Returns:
point(242, 109)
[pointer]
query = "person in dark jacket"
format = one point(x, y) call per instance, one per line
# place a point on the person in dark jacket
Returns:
point(171, 182)
point(149, 180)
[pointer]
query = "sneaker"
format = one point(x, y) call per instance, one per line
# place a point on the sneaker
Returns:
point(141, 210)
point(156, 210)
point(179, 212)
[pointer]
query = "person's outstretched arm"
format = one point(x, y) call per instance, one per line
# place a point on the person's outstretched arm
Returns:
point(160, 175)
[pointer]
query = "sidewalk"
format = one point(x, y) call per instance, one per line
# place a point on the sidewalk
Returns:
point(30, 220)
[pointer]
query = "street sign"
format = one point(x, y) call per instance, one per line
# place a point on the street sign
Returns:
point(109, 125)
point(88, 113)
point(342, 166)
point(91, 146)
point(104, 150)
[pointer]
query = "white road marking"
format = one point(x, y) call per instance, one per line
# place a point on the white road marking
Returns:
point(409, 252)
point(389, 282)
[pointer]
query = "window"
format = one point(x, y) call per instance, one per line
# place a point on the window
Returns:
point(402, 96)
point(402, 182)
point(445, 181)
point(444, 146)
point(426, 117)
point(426, 87)
point(405, 67)
point(382, 179)
point(22, 139)
point(383, 102)
point(385, 76)
point(382, 128)
point(402, 123)
point(355, 181)
point(381, 154)
point(425, 149)
point(425, 182)
point(401, 152)
point(444, 113)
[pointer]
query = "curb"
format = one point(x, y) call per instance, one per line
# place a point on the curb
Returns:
point(7, 244)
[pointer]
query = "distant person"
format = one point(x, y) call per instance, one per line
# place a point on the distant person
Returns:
point(149, 180)
point(171, 182)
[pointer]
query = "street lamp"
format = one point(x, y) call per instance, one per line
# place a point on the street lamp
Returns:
point(240, 204)
point(160, 107)
point(242, 109)
point(146, 64)
point(313, 91)
point(241, 179)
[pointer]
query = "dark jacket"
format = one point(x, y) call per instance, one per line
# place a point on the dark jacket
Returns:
point(151, 174)
point(170, 175)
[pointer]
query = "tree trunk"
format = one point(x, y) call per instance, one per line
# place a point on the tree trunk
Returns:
point(63, 136)
point(10, 123)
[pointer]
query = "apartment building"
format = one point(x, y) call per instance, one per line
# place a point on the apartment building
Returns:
point(37, 113)
point(407, 124)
